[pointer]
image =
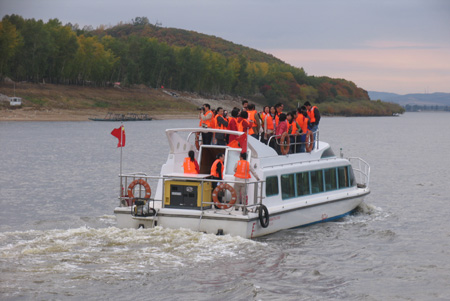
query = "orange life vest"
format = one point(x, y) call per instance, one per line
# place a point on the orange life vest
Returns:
point(311, 114)
point(221, 126)
point(209, 122)
point(242, 170)
point(269, 121)
point(277, 120)
point(251, 116)
point(189, 166)
point(214, 172)
point(303, 123)
point(240, 126)
point(292, 127)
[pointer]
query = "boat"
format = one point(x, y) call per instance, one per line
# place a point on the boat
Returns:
point(123, 117)
point(293, 190)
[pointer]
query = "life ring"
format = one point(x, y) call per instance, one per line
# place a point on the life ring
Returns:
point(264, 218)
point(197, 140)
point(285, 143)
point(148, 190)
point(309, 141)
point(215, 196)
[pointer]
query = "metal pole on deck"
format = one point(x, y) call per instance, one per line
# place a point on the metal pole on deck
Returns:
point(120, 174)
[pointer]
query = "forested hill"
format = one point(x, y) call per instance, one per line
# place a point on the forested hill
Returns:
point(186, 38)
point(139, 53)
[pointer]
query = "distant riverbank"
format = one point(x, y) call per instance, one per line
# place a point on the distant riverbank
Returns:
point(70, 115)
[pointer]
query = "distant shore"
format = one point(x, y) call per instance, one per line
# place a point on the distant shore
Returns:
point(27, 114)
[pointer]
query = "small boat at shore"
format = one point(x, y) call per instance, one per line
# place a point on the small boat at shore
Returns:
point(294, 190)
point(123, 117)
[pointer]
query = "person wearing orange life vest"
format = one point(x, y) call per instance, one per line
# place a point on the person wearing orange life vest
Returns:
point(278, 111)
point(205, 117)
point(303, 121)
point(222, 124)
point(293, 128)
point(254, 120)
point(268, 128)
point(190, 165)
point(242, 171)
point(217, 169)
point(314, 117)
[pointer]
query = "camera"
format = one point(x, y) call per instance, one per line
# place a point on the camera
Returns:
point(200, 108)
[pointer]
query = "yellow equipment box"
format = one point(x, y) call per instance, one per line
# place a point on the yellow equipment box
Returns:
point(187, 194)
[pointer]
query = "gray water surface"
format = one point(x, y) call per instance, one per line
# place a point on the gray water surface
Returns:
point(58, 240)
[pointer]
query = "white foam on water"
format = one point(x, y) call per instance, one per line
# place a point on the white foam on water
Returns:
point(116, 249)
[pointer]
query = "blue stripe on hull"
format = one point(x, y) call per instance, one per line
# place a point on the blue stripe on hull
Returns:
point(327, 219)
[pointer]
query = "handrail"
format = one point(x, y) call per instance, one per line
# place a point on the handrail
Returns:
point(124, 198)
point(316, 142)
point(361, 169)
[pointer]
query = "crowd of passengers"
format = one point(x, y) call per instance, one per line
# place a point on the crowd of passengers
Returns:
point(267, 126)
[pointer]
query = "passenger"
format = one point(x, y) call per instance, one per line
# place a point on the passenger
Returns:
point(281, 128)
point(222, 124)
point(190, 165)
point(254, 120)
point(292, 131)
point(278, 111)
point(244, 105)
point(206, 116)
point(268, 123)
point(217, 169)
point(304, 124)
point(242, 121)
point(314, 117)
point(242, 171)
point(232, 124)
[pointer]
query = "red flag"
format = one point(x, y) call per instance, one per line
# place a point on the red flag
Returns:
point(242, 139)
point(119, 133)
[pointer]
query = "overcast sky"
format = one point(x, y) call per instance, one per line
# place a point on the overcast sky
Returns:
point(400, 46)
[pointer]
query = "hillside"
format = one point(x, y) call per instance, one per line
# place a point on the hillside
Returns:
point(145, 55)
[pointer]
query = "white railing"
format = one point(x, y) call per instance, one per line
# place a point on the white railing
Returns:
point(361, 170)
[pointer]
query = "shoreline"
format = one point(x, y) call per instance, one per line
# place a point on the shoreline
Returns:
point(26, 114)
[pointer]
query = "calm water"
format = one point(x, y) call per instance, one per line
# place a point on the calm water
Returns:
point(58, 240)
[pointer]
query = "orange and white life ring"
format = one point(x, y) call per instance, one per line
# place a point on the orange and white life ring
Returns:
point(215, 196)
point(285, 143)
point(309, 141)
point(148, 190)
point(197, 140)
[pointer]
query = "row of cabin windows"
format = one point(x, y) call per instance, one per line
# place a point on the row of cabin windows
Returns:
point(310, 182)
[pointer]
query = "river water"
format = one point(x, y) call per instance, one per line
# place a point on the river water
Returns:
point(58, 240)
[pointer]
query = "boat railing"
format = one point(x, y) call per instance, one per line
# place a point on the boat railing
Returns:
point(276, 140)
point(361, 170)
point(139, 191)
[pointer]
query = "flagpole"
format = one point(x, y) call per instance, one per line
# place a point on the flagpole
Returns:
point(120, 175)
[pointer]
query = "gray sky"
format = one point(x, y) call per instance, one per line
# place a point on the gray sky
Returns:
point(400, 46)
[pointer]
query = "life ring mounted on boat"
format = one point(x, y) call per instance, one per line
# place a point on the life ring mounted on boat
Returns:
point(285, 143)
point(148, 190)
point(309, 141)
point(215, 196)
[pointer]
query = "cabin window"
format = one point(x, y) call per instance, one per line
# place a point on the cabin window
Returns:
point(271, 186)
point(287, 186)
point(352, 176)
point(330, 179)
point(316, 181)
point(343, 177)
point(303, 184)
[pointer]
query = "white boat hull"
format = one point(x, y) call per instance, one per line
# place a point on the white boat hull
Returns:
point(235, 223)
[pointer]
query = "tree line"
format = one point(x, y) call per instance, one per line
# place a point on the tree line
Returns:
point(137, 53)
